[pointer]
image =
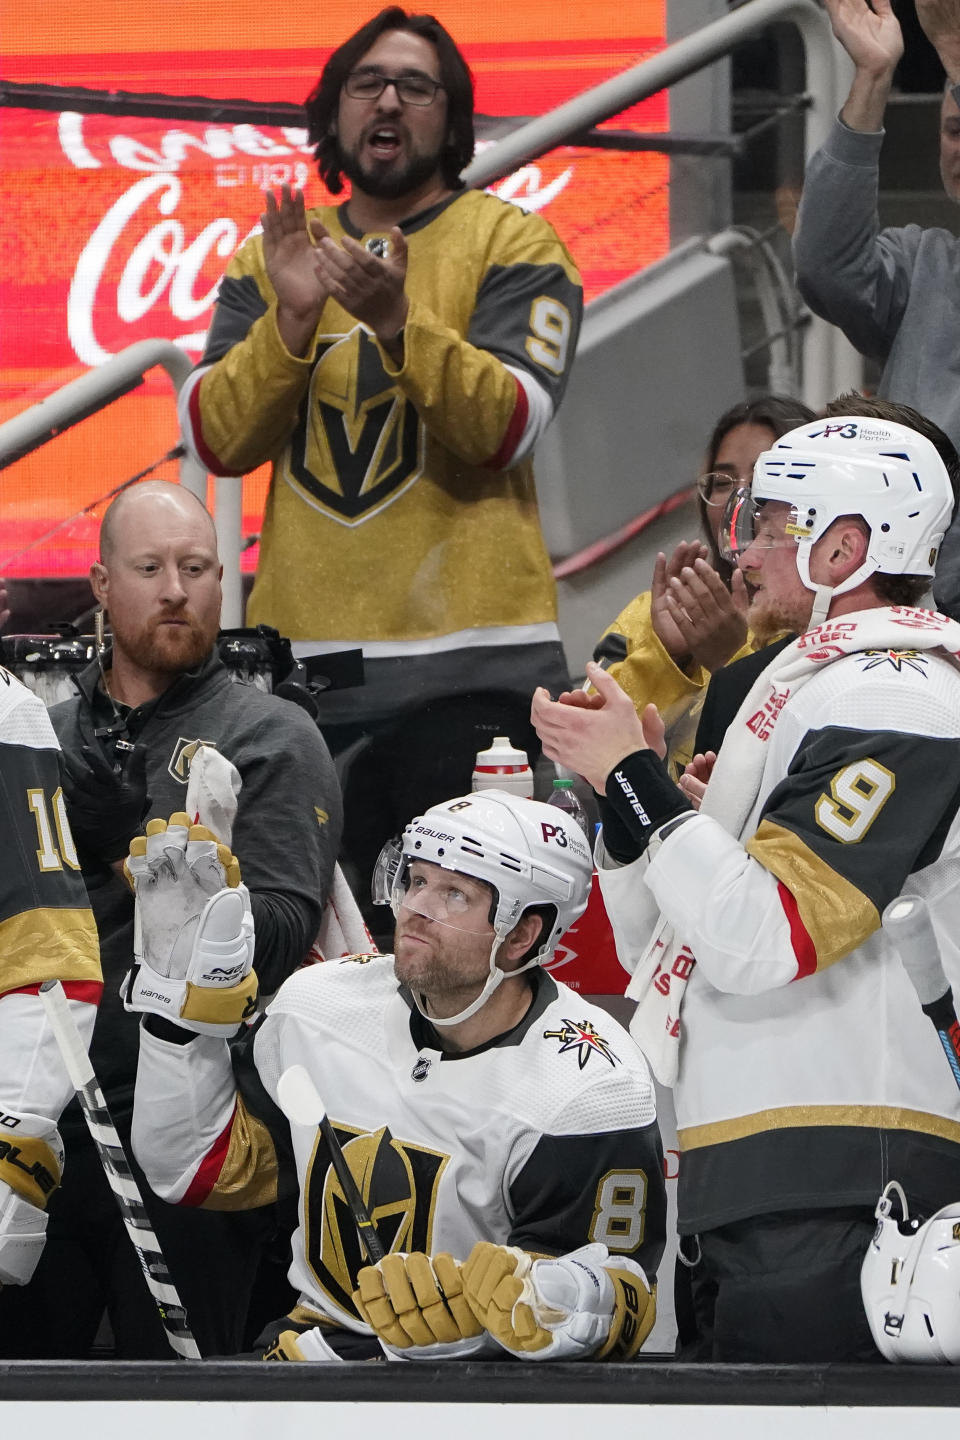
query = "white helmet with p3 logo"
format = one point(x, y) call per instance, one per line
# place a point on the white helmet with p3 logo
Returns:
point(885, 472)
point(531, 855)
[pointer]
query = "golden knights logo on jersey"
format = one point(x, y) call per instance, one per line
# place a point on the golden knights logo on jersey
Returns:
point(583, 1039)
point(398, 1184)
point(899, 660)
point(358, 428)
point(182, 757)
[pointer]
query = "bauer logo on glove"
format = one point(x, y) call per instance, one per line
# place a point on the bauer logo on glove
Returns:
point(193, 929)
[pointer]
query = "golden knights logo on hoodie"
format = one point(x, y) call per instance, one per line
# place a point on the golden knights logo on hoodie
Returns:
point(182, 757)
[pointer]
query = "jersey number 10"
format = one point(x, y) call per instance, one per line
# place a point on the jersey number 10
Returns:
point(52, 856)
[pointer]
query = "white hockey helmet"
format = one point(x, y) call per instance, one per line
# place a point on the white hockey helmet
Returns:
point(887, 473)
point(531, 854)
point(910, 1282)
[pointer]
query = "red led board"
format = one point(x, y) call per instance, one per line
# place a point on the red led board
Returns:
point(117, 229)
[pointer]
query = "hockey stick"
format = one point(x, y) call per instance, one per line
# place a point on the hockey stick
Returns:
point(908, 922)
point(302, 1105)
point(117, 1170)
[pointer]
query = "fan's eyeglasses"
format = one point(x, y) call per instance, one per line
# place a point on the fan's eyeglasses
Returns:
point(717, 487)
point(411, 89)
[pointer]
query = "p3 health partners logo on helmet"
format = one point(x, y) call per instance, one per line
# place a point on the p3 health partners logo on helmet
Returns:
point(869, 431)
point(359, 443)
point(398, 1182)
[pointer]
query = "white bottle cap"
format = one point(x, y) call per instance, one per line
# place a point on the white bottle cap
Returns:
point(503, 767)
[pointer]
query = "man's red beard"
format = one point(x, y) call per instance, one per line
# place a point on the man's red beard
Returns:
point(768, 619)
point(166, 649)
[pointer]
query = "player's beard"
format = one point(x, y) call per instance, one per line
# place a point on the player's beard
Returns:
point(769, 618)
point(439, 974)
point(165, 649)
point(387, 181)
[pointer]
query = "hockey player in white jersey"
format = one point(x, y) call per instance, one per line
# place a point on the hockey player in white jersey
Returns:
point(501, 1131)
point(806, 1076)
point(46, 933)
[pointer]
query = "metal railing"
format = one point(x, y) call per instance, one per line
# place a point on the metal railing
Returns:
point(828, 363)
point(825, 367)
point(682, 58)
point(94, 391)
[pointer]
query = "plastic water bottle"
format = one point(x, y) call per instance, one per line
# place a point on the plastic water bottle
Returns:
point(585, 957)
point(565, 798)
point(503, 767)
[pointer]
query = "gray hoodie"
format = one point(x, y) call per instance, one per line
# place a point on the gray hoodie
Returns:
point(894, 293)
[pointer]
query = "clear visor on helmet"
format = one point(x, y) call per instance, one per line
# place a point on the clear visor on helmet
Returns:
point(385, 872)
point(742, 525)
point(424, 888)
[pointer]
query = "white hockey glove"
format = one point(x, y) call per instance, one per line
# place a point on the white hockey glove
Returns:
point(302, 1345)
point(588, 1303)
point(193, 931)
point(415, 1307)
point(31, 1163)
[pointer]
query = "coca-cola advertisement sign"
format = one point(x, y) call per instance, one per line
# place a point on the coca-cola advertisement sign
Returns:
point(117, 228)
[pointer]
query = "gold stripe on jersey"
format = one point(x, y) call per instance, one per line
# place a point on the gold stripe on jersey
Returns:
point(49, 944)
point(30, 1168)
point(792, 1117)
point(249, 1174)
point(836, 915)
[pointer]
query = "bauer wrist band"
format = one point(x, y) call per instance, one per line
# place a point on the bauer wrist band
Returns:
point(641, 797)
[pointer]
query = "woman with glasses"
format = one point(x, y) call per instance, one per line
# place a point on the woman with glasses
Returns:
point(664, 646)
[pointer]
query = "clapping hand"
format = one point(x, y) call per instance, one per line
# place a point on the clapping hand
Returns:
point(694, 616)
point(711, 618)
point(591, 734)
point(289, 253)
point(369, 287)
point(696, 776)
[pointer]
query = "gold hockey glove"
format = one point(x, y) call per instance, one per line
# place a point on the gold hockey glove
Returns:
point(584, 1304)
point(415, 1304)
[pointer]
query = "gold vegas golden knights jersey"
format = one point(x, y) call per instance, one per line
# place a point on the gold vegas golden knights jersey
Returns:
point(545, 1138)
point(46, 928)
point(402, 512)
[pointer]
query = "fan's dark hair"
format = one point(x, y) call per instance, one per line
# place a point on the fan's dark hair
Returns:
point(323, 101)
point(779, 413)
